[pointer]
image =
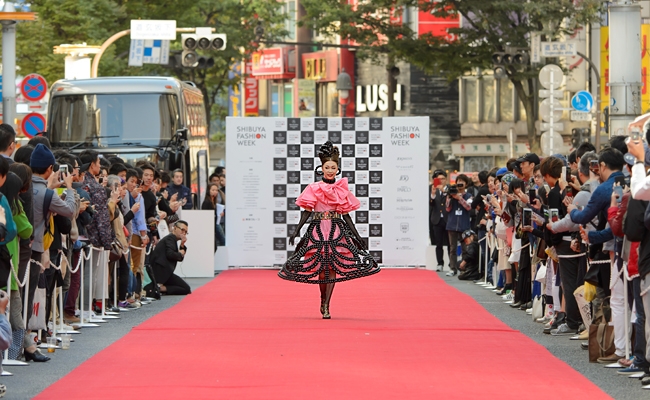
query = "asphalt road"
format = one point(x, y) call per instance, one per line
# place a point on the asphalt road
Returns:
point(30, 380)
point(569, 351)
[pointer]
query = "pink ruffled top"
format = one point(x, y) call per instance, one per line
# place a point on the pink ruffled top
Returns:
point(321, 196)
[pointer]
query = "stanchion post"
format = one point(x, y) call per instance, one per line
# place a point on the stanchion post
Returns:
point(103, 257)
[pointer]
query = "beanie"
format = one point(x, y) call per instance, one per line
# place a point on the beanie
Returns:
point(41, 157)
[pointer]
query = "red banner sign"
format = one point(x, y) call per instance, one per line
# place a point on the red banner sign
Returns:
point(268, 62)
point(251, 93)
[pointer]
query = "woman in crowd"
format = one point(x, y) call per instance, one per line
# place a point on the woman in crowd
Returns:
point(215, 196)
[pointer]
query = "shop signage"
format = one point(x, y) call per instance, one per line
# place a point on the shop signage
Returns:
point(251, 93)
point(321, 65)
point(268, 62)
point(375, 98)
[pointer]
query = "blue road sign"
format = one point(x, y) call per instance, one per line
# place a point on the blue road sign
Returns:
point(33, 87)
point(583, 101)
point(33, 124)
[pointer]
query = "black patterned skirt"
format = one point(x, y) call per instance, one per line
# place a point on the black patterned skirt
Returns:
point(327, 253)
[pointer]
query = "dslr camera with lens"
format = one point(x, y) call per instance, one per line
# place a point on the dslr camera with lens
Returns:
point(453, 189)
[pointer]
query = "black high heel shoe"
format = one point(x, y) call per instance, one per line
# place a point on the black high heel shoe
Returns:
point(36, 356)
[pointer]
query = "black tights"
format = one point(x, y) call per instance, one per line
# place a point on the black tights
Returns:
point(326, 289)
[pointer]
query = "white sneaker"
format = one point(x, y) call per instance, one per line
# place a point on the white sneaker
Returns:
point(439, 268)
point(529, 311)
point(450, 273)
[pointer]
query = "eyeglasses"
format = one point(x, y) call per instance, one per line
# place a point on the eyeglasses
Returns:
point(183, 230)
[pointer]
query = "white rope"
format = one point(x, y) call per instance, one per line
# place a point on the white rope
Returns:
point(73, 271)
point(572, 255)
point(600, 262)
point(20, 284)
point(37, 263)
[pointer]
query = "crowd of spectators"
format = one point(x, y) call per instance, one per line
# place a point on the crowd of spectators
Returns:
point(62, 214)
point(562, 239)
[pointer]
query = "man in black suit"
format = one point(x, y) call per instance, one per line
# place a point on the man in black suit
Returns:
point(164, 258)
point(438, 216)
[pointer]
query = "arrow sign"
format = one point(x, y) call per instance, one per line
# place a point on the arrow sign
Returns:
point(583, 101)
point(33, 87)
point(33, 124)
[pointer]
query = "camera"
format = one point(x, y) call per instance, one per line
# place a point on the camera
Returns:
point(453, 189)
point(63, 168)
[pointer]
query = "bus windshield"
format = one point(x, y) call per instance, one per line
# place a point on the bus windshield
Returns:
point(114, 119)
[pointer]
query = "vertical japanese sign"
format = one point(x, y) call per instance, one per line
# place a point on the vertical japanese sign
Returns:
point(251, 93)
point(604, 67)
point(645, 68)
point(234, 93)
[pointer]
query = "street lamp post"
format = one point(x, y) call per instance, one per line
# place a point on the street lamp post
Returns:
point(343, 86)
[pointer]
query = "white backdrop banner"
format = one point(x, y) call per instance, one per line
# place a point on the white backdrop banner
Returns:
point(271, 160)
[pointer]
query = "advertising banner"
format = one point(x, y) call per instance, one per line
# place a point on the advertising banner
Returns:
point(272, 160)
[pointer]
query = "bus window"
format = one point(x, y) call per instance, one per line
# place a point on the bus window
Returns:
point(113, 119)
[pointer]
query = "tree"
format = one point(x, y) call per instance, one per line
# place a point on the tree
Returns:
point(92, 22)
point(489, 26)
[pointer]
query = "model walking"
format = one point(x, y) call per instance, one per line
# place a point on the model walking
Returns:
point(331, 250)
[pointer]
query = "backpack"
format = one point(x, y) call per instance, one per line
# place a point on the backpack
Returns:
point(48, 233)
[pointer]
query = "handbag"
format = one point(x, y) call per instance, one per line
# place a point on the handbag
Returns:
point(583, 305)
point(541, 273)
point(601, 334)
point(37, 320)
point(116, 251)
point(538, 308)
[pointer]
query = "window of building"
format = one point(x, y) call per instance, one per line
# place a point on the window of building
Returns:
point(263, 94)
point(289, 9)
point(488, 96)
point(275, 99)
point(506, 101)
point(471, 100)
point(288, 100)
point(327, 99)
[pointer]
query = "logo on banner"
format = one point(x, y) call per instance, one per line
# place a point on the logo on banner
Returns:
point(293, 124)
point(404, 227)
point(402, 135)
point(362, 190)
point(279, 243)
point(404, 178)
point(376, 177)
point(349, 175)
point(293, 177)
point(376, 150)
point(348, 124)
point(376, 203)
point(279, 164)
point(361, 217)
point(249, 135)
point(335, 137)
point(306, 164)
point(279, 137)
point(279, 217)
point(348, 150)
point(362, 137)
point(279, 190)
point(403, 189)
point(361, 163)
point(307, 137)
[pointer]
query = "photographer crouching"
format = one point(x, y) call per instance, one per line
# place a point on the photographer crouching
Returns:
point(164, 258)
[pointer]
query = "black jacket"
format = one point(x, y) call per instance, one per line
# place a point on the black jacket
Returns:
point(437, 207)
point(164, 258)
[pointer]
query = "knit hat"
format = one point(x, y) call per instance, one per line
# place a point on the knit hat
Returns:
point(42, 157)
point(507, 178)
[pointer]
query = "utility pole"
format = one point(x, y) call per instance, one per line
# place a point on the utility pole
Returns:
point(624, 77)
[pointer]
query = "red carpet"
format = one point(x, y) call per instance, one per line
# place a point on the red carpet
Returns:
point(400, 334)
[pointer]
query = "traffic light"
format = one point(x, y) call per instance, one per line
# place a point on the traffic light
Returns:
point(193, 43)
point(579, 136)
point(517, 57)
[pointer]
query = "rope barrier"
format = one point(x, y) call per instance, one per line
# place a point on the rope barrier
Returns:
point(572, 255)
point(13, 272)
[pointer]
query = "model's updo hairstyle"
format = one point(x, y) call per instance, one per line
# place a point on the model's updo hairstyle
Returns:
point(328, 152)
